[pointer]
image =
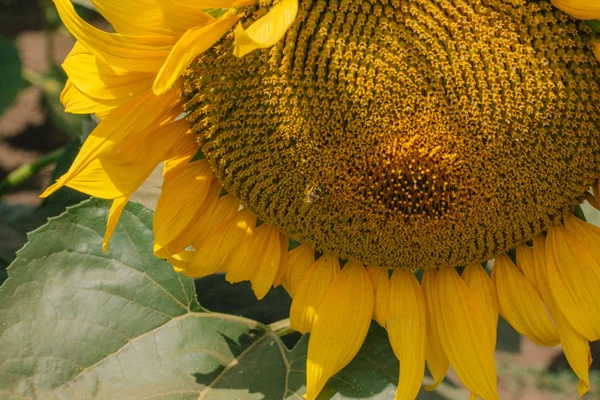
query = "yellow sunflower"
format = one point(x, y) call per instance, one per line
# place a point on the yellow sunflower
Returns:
point(395, 136)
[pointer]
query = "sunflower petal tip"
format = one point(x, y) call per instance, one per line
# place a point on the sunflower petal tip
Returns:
point(160, 87)
point(241, 42)
point(50, 189)
point(432, 387)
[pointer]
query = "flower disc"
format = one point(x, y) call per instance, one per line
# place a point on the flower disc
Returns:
point(406, 134)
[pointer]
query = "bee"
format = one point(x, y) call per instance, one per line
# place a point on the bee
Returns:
point(312, 193)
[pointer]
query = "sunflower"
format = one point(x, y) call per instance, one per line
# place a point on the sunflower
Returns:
point(339, 147)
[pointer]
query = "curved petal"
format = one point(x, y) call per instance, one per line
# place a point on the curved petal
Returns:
point(257, 260)
point(300, 260)
point(207, 229)
point(176, 207)
point(193, 43)
point(521, 305)
point(575, 346)
point(267, 30)
point(381, 287)
point(198, 224)
point(151, 17)
point(97, 79)
point(206, 4)
point(574, 278)
point(581, 9)
point(115, 49)
point(116, 209)
point(122, 171)
point(340, 327)
point(130, 120)
point(76, 102)
point(407, 325)
point(465, 333)
point(311, 291)
point(483, 288)
point(230, 241)
point(436, 358)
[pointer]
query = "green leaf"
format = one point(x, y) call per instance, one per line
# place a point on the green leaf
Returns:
point(216, 294)
point(13, 238)
point(10, 71)
point(79, 324)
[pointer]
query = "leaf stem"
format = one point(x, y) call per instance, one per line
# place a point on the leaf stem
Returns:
point(24, 172)
point(281, 328)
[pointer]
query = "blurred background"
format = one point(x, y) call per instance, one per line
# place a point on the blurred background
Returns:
point(38, 141)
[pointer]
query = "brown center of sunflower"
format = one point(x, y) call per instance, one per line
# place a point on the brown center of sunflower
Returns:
point(407, 134)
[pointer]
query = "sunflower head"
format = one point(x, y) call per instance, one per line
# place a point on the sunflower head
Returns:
point(410, 134)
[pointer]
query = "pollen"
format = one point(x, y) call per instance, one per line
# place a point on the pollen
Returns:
point(409, 134)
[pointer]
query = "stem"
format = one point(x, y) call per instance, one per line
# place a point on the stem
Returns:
point(35, 78)
point(24, 172)
point(282, 328)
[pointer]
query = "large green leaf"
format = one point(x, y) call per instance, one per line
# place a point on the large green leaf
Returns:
point(76, 323)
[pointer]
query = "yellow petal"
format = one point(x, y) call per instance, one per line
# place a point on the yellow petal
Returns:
point(193, 43)
point(256, 259)
point(176, 207)
point(436, 358)
point(465, 333)
point(206, 4)
point(587, 234)
point(311, 291)
point(483, 288)
point(98, 80)
point(284, 261)
point(575, 346)
point(121, 171)
point(340, 327)
point(596, 50)
point(115, 49)
point(226, 209)
point(526, 263)
point(581, 9)
point(521, 305)
point(198, 225)
point(407, 326)
point(574, 278)
point(299, 262)
point(75, 102)
point(267, 30)
point(227, 244)
point(116, 209)
point(147, 17)
point(381, 287)
point(268, 262)
point(577, 351)
point(130, 120)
